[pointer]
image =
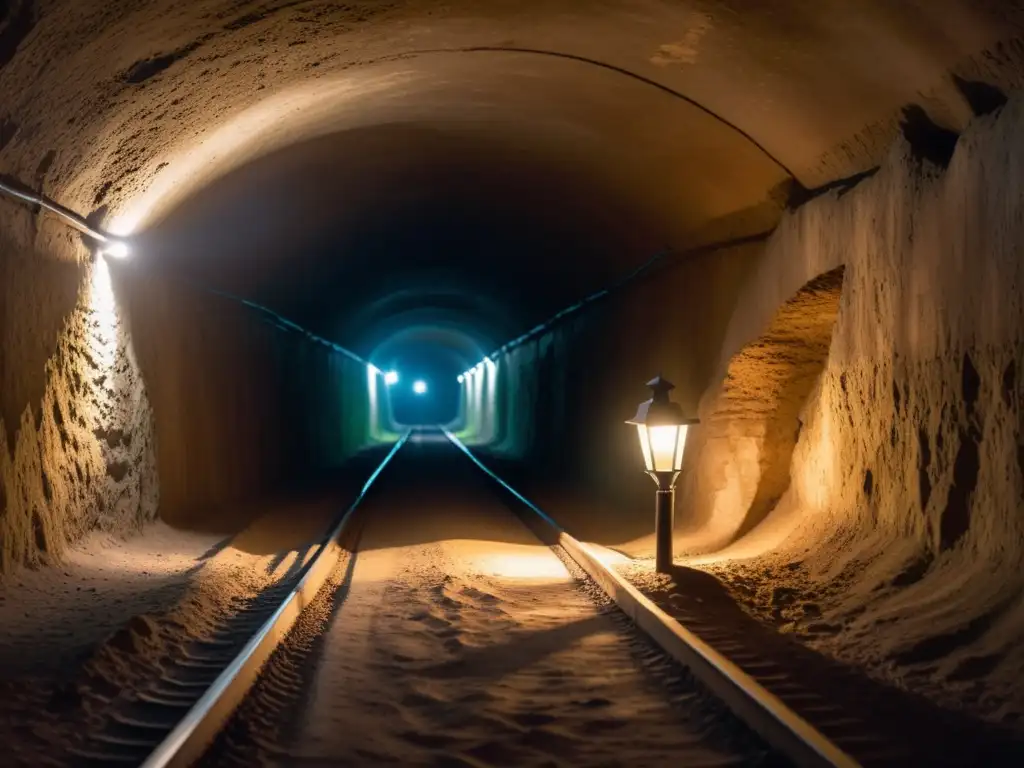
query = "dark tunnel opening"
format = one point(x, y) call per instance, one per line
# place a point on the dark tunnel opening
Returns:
point(418, 246)
point(421, 367)
point(364, 216)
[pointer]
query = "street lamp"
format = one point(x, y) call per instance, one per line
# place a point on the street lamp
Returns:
point(662, 429)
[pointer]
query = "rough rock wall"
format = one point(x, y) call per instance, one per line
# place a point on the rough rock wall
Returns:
point(904, 519)
point(76, 434)
point(243, 406)
point(753, 418)
point(920, 387)
point(240, 406)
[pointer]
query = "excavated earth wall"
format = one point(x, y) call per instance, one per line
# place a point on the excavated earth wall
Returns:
point(901, 522)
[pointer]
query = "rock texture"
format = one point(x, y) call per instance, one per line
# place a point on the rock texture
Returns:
point(76, 443)
point(754, 416)
point(858, 475)
point(903, 524)
point(242, 405)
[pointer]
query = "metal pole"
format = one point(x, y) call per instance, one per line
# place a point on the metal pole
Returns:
point(663, 529)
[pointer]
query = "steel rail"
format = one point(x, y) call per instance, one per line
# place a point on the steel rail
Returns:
point(761, 710)
point(192, 736)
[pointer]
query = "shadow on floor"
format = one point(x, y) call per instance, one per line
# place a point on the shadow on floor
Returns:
point(300, 560)
point(216, 549)
point(519, 650)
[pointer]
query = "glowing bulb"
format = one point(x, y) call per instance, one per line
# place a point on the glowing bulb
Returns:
point(419, 387)
point(461, 378)
point(663, 446)
point(116, 249)
point(391, 377)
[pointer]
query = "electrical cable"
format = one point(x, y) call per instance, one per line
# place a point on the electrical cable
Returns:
point(69, 217)
point(78, 222)
point(638, 272)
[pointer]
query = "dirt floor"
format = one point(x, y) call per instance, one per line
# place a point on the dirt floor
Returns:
point(462, 640)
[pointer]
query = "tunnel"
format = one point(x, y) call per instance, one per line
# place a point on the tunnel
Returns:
point(246, 246)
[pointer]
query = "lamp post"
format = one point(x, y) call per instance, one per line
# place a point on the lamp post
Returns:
point(662, 429)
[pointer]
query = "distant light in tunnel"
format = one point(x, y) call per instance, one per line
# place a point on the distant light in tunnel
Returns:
point(391, 378)
point(462, 378)
point(374, 370)
point(419, 387)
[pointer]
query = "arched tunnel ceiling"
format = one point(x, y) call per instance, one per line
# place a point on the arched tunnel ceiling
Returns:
point(473, 324)
point(578, 136)
point(449, 339)
point(495, 207)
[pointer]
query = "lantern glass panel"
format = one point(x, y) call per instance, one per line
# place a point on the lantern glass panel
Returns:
point(645, 446)
point(664, 441)
point(680, 447)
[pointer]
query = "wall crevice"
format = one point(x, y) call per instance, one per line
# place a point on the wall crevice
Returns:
point(758, 406)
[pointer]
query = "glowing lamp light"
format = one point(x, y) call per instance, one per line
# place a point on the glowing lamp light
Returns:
point(116, 249)
point(662, 446)
point(391, 378)
point(419, 387)
point(462, 378)
point(662, 429)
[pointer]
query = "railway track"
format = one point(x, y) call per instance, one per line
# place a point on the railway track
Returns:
point(136, 727)
point(172, 720)
point(177, 720)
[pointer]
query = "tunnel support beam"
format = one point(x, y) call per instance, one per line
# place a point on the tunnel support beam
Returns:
point(663, 524)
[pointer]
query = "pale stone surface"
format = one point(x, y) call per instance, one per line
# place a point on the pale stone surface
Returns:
point(754, 418)
point(903, 524)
